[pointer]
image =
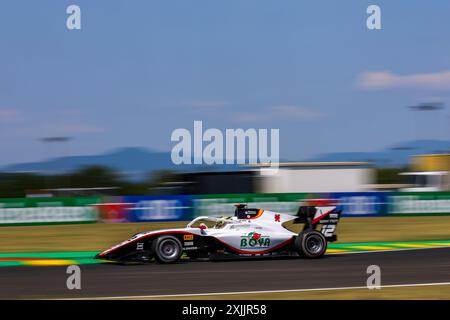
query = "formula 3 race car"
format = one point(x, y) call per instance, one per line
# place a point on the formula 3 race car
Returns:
point(249, 233)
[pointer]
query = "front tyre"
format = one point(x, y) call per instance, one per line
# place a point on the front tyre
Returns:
point(311, 244)
point(167, 249)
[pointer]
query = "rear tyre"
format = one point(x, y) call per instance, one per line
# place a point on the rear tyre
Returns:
point(311, 244)
point(167, 249)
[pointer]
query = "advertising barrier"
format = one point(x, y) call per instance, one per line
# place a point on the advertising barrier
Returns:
point(48, 210)
point(361, 204)
point(183, 208)
point(113, 210)
point(419, 203)
point(158, 208)
point(353, 204)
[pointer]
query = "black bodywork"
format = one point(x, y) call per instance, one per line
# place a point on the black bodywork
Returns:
point(305, 214)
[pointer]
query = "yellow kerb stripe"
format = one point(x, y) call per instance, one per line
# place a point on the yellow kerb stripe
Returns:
point(371, 247)
point(49, 262)
point(336, 250)
point(441, 244)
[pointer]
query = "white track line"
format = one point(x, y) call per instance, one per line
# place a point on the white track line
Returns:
point(264, 291)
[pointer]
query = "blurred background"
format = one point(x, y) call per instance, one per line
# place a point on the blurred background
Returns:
point(86, 115)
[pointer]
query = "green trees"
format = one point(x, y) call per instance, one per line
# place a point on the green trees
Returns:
point(18, 185)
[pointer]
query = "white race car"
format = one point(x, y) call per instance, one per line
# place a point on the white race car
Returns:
point(249, 233)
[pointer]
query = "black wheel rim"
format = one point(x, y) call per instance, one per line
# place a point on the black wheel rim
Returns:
point(169, 249)
point(314, 244)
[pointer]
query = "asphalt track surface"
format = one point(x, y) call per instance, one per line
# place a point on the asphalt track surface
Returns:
point(343, 270)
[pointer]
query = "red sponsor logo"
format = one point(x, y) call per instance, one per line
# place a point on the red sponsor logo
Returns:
point(256, 236)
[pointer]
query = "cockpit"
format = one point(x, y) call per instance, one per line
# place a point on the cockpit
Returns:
point(241, 213)
point(205, 222)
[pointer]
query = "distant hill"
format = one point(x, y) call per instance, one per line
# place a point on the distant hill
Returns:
point(135, 162)
point(393, 156)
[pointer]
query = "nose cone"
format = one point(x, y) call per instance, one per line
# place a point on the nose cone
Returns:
point(101, 256)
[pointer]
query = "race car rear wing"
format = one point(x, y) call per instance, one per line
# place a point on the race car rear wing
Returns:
point(312, 216)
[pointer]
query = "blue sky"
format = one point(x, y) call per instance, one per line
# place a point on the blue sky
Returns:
point(137, 70)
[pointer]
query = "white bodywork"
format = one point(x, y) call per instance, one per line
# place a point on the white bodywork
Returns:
point(256, 235)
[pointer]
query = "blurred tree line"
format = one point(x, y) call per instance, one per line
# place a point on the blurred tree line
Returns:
point(16, 185)
point(389, 175)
